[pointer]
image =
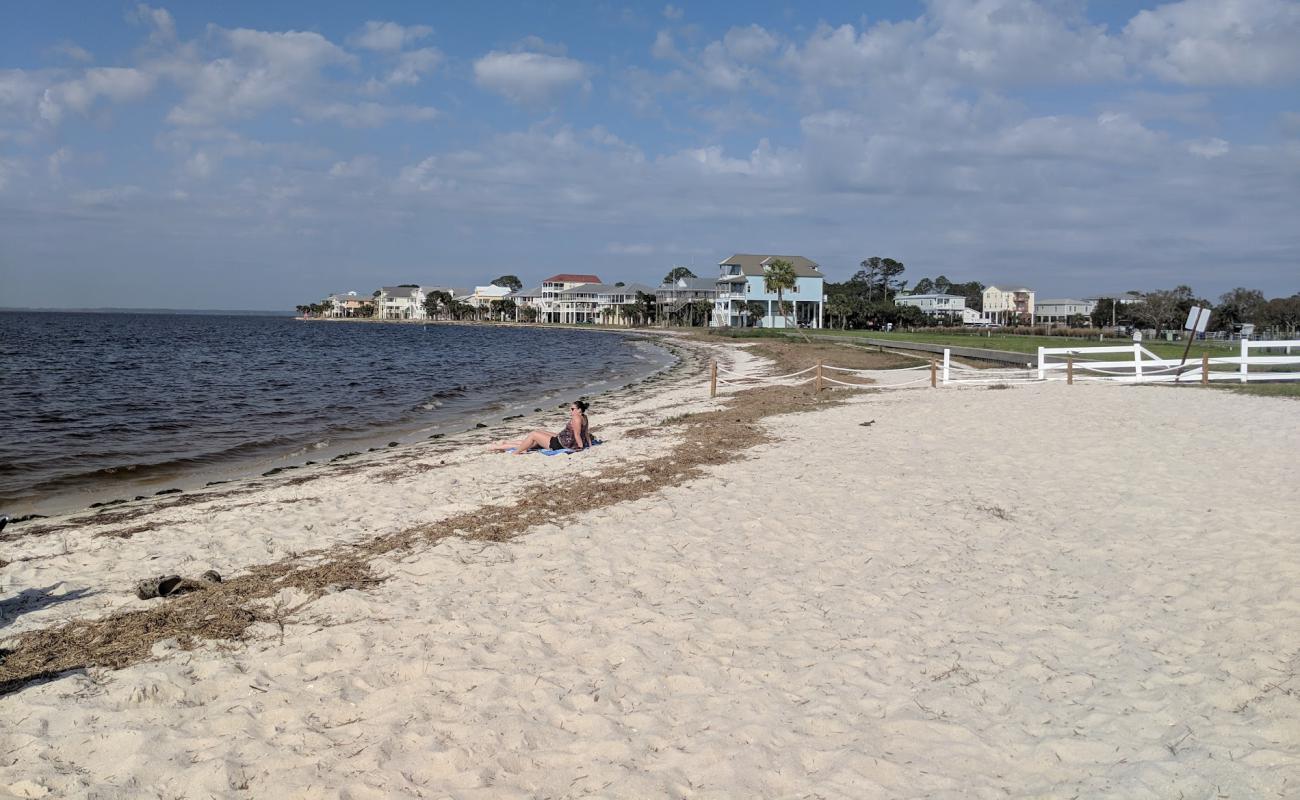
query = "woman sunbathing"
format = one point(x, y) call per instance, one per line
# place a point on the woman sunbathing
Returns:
point(575, 436)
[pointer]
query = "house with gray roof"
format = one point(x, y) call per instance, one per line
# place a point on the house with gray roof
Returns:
point(399, 302)
point(1061, 310)
point(743, 299)
point(680, 299)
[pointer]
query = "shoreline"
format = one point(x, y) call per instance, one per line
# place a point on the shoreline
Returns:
point(308, 454)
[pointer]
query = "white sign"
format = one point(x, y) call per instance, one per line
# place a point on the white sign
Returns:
point(1197, 319)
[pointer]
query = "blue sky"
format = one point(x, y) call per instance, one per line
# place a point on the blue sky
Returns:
point(254, 155)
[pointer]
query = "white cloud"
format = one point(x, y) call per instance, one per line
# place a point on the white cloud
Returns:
point(664, 47)
point(264, 70)
point(388, 36)
point(359, 167)
point(54, 164)
point(1219, 42)
point(413, 65)
point(1014, 42)
point(19, 92)
point(117, 84)
point(162, 28)
point(982, 42)
point(200, 165)
point(9, 170)
point(1212, 147)
point(369, 115)
point(529, 78)
point(749, 43)
point(72, 51)
point(111, 197)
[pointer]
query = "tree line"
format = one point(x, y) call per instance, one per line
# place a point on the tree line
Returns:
point(1167, 309)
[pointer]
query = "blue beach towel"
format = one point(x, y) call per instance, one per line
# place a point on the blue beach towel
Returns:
point(563, 451)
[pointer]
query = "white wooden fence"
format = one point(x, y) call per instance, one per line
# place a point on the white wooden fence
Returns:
point(1143, 366)
point(1054, 364)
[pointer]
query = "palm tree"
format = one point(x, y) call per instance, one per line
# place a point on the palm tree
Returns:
point(779, 277)
point(701, 308)
point(631, 312)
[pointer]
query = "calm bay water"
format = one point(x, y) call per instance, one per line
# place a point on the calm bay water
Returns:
point(110, 404)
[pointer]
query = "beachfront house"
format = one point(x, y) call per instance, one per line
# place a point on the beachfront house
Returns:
point(948, 308)
point(344, 304)
point(676, 299)
point(1009, 306)
point(743, 300)
point(526, 298)
point(1063, 311)
point(597, 303)
point(485, 296)
point(399, 302)
point(548, 303)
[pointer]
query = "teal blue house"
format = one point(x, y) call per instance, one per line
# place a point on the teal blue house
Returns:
point(743, 299)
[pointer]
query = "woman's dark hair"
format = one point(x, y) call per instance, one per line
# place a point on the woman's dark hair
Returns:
point(582, 405)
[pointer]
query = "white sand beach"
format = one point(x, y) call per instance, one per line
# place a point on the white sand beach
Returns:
point(1042, 591)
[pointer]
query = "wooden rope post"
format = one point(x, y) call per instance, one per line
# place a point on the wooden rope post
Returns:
point(713, 379)
point(1069, 370)
point(818, 381)
point(934, 374)
point(1205, 369)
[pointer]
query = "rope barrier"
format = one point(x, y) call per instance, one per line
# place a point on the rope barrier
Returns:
point(767, 377)
point(890, 369)
point(876, 385)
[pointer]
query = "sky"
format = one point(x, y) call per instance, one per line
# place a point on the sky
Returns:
point(250, 155)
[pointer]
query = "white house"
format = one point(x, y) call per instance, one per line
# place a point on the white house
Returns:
point(596, 302)
point(1054, 312)
point(951, 306)
point(399, 302)
point(741, 284)
point(547, 304)
point(343, 304)
point(485, 296)
point(1008, 306)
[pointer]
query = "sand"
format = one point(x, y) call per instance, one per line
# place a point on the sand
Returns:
point(1046, 591)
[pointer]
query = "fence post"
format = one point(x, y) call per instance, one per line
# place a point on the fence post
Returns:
point(947, 363)
point(1245, 355)
point(1205, 369)
point(818, 383)
point(1041, 373)
point(1137, 360)
point(713, 379)
point(934, 373)
point(1069, 370)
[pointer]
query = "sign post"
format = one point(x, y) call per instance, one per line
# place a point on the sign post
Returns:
point(1197, 320)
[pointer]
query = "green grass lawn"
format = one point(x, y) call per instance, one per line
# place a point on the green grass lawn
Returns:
point(1030, 344)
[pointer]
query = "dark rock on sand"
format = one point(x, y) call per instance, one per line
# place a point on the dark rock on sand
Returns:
point(480, 425)
point(392, 444)
point(437, 436)
point(272, 471)
point(215, 483)
point(166, 491)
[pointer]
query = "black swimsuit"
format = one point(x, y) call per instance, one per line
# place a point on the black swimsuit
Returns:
point(566, 440)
